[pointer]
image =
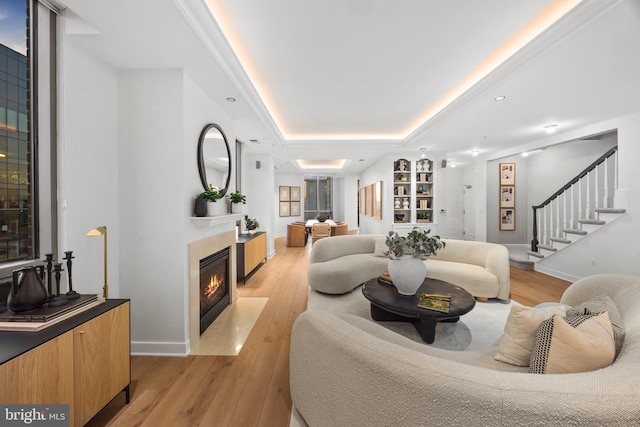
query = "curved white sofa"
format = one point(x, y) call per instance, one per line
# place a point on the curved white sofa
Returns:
point(347, 371)
point(341, 263)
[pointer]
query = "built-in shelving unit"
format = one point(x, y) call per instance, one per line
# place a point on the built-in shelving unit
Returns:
point(424, 191)
point(402, 191)
point(413, 194)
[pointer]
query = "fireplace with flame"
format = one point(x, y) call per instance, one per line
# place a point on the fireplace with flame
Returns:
point(214, 287)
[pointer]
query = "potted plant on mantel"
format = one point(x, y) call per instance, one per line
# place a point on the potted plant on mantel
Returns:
point(237, 200)
point(406, 268)
point(211, 196)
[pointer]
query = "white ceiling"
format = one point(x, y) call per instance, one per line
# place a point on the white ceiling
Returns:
point(352, 78)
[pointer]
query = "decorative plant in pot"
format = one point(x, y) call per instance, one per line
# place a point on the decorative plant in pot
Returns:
point(400, 177)
point(322, 217)
point(406, 268)
point(211, 196)
point(251, 223)
point(237, 200)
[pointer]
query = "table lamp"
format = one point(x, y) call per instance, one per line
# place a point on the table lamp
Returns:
point(102, 231)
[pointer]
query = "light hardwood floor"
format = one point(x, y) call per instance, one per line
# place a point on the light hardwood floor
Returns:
point(251, 389)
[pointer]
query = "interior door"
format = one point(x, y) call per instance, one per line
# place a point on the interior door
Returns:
point(469, 213)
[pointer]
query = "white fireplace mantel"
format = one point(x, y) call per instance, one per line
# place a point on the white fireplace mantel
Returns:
point(212, 221)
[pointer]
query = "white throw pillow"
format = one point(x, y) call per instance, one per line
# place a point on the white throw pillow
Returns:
point(381, 247)
point(573, 344)
point(520, 332)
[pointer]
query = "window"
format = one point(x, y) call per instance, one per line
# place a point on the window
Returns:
point(317, 196)
point(16, 191)
point(27, 131)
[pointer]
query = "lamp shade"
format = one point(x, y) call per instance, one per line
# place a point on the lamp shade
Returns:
point(98, 231)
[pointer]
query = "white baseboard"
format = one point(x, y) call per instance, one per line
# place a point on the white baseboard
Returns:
point(174, 349)
point(559, 274)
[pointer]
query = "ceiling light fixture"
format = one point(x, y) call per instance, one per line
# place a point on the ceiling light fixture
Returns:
point(500, 98)
point(453, 165)
point(231, 99)
point(475, 153)
point(550, 128)
point(525, 154)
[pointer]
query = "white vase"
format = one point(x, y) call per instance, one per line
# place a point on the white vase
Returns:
point(216, 208)
point(237, 208)
point(407, 274)
point(405, 204)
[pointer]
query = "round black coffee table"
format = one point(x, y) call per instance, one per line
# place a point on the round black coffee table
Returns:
point(387, 305)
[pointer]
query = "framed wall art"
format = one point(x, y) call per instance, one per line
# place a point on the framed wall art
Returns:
point(295, 208)
point(507, 219)
point(284, 194)
point(284, 209)
point(507, 174)
point(294, 193)
point(507, 196)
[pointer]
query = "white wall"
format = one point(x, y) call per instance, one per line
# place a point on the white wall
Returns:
point(152, 206)
point(88, 167)
point(262, 200)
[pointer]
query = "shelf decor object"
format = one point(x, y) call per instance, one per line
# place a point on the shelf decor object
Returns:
point(102, 231)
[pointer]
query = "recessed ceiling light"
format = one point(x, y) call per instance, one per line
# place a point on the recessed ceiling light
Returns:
point(453, 165)
point(550, 128)
point(475, 153)
point(525, 154)
point(231, 99)
point(500, 98)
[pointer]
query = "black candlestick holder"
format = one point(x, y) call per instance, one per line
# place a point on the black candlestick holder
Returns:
point(68, 255)
point(49, 278)
point(58, 300)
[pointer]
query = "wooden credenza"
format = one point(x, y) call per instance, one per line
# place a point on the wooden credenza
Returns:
point(251, 250)
point(83, 361)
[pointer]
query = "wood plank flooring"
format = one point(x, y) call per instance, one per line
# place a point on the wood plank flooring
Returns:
point(251, 389)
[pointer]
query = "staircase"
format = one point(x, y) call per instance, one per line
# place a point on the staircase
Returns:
point(580, 207)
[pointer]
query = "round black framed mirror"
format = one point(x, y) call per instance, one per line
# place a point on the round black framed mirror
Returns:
point(214, 158)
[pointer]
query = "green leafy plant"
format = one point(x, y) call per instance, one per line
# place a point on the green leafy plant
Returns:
point(211, 195)
point(237, 198)
point(418, 243)
point(399, 176)
point(321, 217)
point(251, 223)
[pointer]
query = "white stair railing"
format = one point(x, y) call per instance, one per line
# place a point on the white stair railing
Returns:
point(593, 188)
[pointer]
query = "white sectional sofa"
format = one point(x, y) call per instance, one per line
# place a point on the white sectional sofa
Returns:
point(347, 371)
point(341, 263)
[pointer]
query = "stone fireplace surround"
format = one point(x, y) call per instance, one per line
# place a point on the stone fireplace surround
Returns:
point(197, 251)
